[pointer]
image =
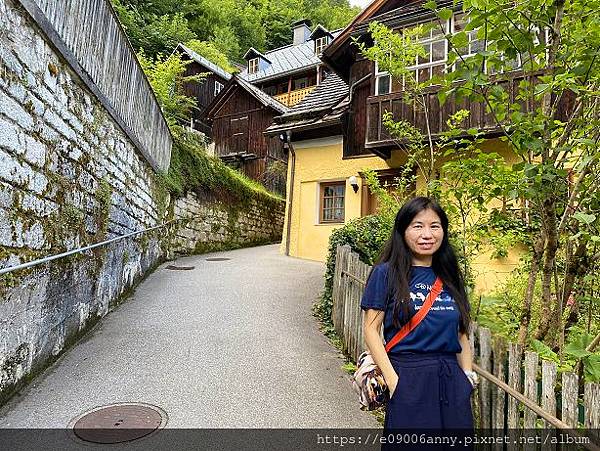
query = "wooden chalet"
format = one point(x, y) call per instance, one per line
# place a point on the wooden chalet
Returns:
point(270, 84)
point(289, 73)
point(204, 92)
point(375, 92)
point(336, 133)
point(238, 117)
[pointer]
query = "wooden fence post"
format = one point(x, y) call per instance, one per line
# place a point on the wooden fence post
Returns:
point(485, 353)
point(514, 381)
point(531, 388)
point(499, 395)
point(335, 289)
point(570, 389)
point(591, 405)
point(364, 272)
point(346, 293)
point(513, 422)
point(549, 371)
point(354, 301)
point(341, 290)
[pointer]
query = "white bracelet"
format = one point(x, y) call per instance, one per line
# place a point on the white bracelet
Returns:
point(472, 376)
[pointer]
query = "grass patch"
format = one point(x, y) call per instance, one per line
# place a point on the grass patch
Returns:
point(192, 169)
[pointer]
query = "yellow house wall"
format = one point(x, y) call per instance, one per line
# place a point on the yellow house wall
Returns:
point(320, 161)
point(489, 272)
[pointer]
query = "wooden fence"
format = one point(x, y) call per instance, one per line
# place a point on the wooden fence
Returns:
point(517, 389)
point(93, 37)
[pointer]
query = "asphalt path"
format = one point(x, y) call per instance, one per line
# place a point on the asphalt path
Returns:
point(230, 344)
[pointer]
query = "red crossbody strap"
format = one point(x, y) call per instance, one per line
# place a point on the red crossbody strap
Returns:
point(436, 289)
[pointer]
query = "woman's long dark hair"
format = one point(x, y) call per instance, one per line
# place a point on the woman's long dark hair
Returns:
point(444, 264)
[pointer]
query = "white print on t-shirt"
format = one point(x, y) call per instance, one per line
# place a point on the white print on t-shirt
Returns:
point(443, 297)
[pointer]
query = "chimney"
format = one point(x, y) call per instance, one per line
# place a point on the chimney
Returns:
point(301, 31)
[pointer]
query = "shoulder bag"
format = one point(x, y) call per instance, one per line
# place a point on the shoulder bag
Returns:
point(368, 381)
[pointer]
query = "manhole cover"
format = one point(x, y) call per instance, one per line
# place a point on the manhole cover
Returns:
point(217, 259)
point(180, 268)
point(118, 423)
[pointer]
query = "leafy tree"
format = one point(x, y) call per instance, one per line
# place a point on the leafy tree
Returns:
point(153, 33)
point(165, 75)
point(232, 26)
point(209, 51)
point(551, 124)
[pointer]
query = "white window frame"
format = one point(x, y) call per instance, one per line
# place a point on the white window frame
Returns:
point(429, 41)
point(253, 65)
point(218, 87)
point(378, 76)
point(320, 44)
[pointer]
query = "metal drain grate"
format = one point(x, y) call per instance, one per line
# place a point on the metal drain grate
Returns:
point(217, 259)
point(180, 268)
point(118, 423)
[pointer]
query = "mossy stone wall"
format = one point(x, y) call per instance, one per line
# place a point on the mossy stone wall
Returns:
point(70, 177)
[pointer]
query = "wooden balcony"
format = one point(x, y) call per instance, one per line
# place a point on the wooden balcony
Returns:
point(378, 138)
point(294, 97)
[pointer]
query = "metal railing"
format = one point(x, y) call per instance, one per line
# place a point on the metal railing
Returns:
point(84, 249)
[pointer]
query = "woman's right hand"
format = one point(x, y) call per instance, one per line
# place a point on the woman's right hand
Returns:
point(392, 385)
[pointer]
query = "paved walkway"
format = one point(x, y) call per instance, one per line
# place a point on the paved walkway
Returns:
point(229, 344)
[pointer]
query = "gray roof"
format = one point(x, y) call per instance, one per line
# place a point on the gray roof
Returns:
point(260, 95)
point(409, 13)
point(321, 108)
point(287, 60)
point(324, 96)
point(252, 51)
point(206, 63)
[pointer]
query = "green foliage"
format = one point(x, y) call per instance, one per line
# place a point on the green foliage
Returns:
point(231, 26)
point(211, 52)
point(153, 33)
point(366, 236)
point(560, 213)
point(192, 169)
point(165, 75)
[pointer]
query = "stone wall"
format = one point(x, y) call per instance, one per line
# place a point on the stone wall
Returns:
point(70, 177)
point(214, 225)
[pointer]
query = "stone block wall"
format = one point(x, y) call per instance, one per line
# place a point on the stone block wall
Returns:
point(70, 177)
point(214, 225)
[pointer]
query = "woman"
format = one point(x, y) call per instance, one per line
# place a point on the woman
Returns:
point(428, 372)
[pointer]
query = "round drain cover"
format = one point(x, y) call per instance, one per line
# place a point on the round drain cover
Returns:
point(180, 268)
point(118, 423)
point(217, 259)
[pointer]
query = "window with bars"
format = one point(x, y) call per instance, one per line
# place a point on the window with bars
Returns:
point(253, 66)
point(474, 45)
point(432, 62)
point(436, 48)
point(320, 44)
point(332, 202)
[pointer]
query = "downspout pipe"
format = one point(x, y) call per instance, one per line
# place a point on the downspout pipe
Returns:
point(291, 193)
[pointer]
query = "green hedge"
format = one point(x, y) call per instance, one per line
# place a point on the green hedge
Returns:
point(366, 236)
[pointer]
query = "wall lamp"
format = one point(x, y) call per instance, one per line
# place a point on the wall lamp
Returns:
point(354, 183)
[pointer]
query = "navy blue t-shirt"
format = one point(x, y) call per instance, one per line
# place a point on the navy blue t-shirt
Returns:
point(437, 332)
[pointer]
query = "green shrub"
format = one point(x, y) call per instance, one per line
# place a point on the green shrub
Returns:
point(192, 169)
point(366, 236)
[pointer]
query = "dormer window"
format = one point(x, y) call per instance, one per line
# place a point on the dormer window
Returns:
point(320, 44)
point(253, 66)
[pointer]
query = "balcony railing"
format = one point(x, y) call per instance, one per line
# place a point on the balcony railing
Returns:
point(378, 135)
point(294, 97)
